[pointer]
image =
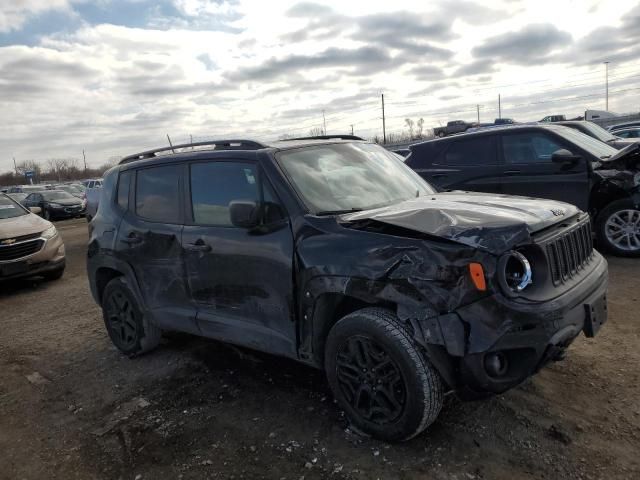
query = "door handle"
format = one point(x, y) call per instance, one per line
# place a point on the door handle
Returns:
point(199, 246)
point(512, 172)
point(131, 239)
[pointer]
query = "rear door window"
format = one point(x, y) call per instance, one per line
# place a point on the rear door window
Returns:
point(470, 151)
point(158, 194)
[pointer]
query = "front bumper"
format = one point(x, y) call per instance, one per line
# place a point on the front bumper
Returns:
point(523, 336)
point(50, 257)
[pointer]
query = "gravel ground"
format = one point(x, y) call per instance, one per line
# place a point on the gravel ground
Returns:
point(72, 407)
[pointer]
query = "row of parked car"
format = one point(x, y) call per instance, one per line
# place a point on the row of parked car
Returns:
point(30, 245)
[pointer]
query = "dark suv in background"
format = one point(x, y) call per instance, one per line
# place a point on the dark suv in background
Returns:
point(546, 161)
point(332, 252)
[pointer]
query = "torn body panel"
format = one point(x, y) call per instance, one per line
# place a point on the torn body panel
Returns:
point(425, 280)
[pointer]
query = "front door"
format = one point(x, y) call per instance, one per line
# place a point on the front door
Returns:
point(241, 279)
point(529, 171)
point(149, 239)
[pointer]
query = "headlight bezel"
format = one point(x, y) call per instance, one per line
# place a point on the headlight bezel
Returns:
point(49, 233)
point(506, 281)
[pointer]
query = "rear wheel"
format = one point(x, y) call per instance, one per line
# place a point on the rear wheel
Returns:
point(618, 228)
point(441, 134)
point(385, 385)
point(129, 331)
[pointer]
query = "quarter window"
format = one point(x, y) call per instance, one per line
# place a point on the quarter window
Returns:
point(157, 194)
point(123, 190)
point(529, 148)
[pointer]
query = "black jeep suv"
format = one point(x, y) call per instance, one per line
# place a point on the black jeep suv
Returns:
point(334, 253)
point(546, 161)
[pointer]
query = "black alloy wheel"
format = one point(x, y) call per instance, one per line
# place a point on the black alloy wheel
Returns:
point(127, 327)
point(370, 380)
point(386, 385)
point(121, 321)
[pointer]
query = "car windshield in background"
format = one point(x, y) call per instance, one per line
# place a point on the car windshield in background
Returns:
point(346, 177)
point(56, 195)
point(599, 132)
point(590, 144)
point(9, 208)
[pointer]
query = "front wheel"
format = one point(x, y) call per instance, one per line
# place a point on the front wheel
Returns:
point(46, 214)
point(618, 228)
point(385, 385)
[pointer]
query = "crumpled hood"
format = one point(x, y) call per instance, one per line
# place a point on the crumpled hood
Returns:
point(22, 225)
point(488, 221)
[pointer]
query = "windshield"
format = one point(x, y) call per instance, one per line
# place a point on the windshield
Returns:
point(599, 132)
point(9, 208)
point(590, 144)
point(55, 195)
point(351, 176)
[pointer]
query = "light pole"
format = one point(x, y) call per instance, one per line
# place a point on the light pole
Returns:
point(606, 83)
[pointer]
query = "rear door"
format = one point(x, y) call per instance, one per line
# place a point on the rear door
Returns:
point(463, 163)
point(241, 279)
point(530, 172)
point(149, 240)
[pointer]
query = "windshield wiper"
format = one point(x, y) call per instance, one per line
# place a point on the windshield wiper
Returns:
point(338, 212)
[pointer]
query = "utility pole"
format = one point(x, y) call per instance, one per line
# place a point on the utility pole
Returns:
point(352, 129)
point(85, 162)
point(170, 144)
point(324, 122)
point(499, 107)
point(384, 130)
point(606, 67)
point(478, 108)
point(15, 166)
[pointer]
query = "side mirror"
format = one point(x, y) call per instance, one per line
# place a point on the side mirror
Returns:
point(36, 210)
point(244, 213)
point(564, 156)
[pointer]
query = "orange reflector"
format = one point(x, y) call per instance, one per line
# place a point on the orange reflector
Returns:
point(477, 276)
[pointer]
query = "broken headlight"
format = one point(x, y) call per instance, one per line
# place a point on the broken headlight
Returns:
point(514, 270)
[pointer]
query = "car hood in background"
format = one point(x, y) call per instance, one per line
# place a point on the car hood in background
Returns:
point(491, 222)
point(67, 202)
point(22, 225)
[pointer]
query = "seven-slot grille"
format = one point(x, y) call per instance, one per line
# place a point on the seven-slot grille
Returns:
point(570, 252)
point(19, 250)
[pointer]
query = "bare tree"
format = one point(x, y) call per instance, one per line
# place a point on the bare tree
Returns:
point(316, 132)
point(420, 127)
point(410, 124)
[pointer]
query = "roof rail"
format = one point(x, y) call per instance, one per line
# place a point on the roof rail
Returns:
point(216, 144)
point(325, 137)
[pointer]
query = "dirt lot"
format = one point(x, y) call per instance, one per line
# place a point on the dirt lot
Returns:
point(72, 407)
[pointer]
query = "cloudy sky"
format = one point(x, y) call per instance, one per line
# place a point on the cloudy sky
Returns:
point(115, 76)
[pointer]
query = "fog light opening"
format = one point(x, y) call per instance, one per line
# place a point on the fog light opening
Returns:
point(496, 364)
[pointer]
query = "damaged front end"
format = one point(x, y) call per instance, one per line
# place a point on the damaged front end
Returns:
point(541, 284)
point(619, 175)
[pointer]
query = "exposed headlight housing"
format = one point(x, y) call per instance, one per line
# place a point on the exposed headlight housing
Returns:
point(49, 232)
point(515, 272)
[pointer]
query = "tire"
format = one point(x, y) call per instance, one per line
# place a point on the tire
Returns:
point(54, 274)
point(126, 325)
point(400, 395)
point(618, 228)
point(441, 134)
point(46, 214)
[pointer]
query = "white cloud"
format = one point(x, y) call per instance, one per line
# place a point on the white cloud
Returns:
point(113, 89)
point(14, 13)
